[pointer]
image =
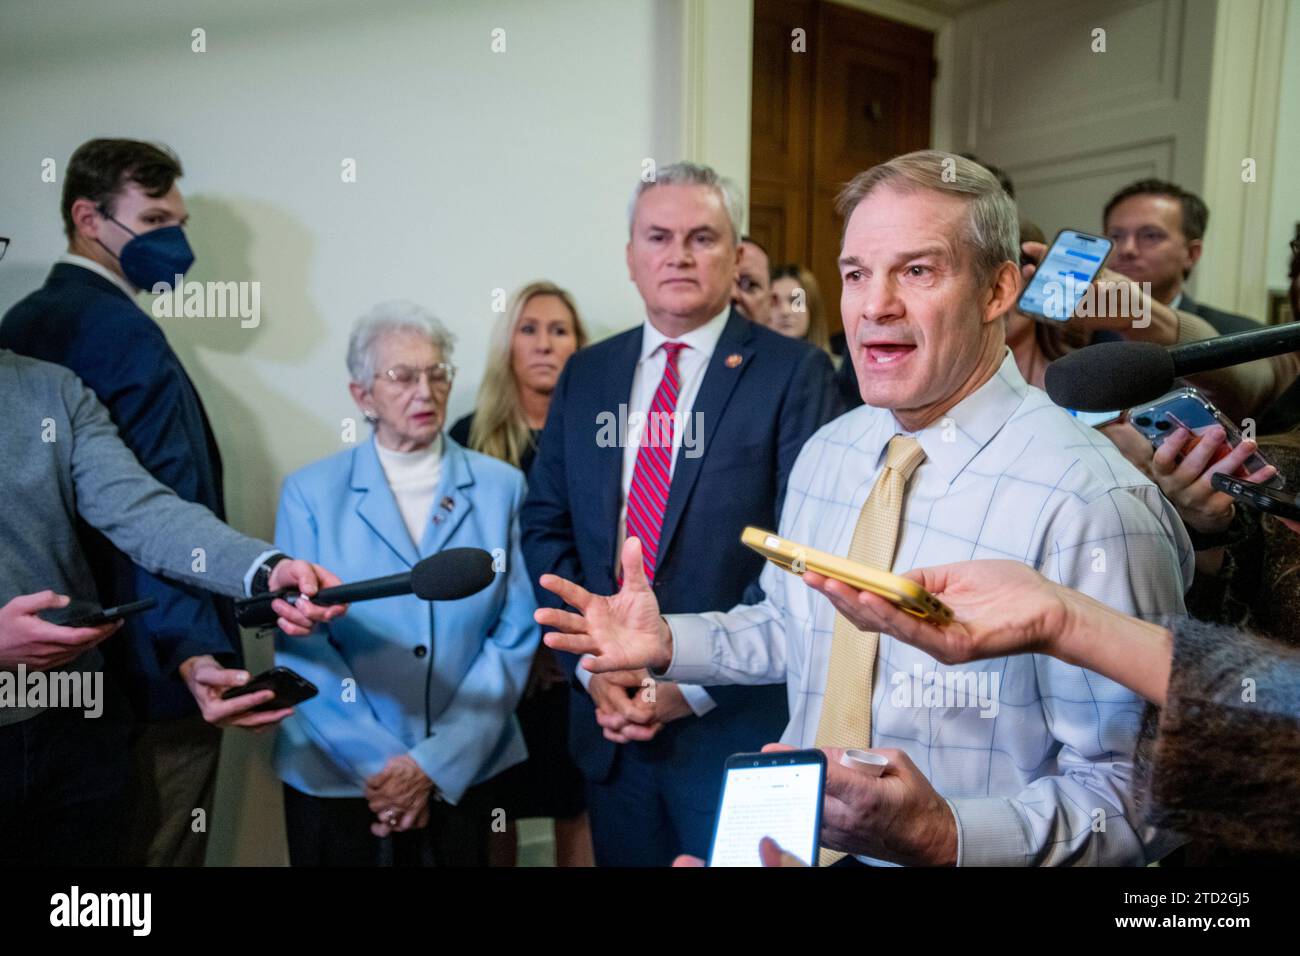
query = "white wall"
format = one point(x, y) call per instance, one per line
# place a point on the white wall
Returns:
point(476, 171)
point(1071, 125)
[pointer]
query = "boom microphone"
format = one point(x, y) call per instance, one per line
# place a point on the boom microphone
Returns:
point(446, 576)
point(1110, 376)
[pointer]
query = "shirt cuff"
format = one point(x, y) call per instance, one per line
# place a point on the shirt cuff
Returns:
point(698, 698)
point(989, 832)
point(252, 569)
point(692, 661)
point(583, 675)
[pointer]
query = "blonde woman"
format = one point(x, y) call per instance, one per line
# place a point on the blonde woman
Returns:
point(797, 309)
point(529, 348)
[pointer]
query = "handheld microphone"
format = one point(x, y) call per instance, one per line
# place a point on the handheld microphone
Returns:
point(446, 576)
point(1113, 375)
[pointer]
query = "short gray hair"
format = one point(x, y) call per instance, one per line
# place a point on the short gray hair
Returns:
point(396, 316)
point(992, 224)
point(695, 174)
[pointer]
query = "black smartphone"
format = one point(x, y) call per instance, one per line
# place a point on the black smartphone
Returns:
point(89, 614)
point(778, 795)
point(1261, 497)
point(1063, 277)
point(290, 689)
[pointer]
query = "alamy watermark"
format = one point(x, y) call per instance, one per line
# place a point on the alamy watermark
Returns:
point(79, 690)
point(626, 429)
point(948, 688)
point(209, 300)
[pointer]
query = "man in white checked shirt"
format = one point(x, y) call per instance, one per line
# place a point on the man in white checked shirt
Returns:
point(1036, 769)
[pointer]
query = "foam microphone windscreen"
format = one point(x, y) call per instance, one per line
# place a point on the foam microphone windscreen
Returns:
point(1110, 376)
point(452, 574)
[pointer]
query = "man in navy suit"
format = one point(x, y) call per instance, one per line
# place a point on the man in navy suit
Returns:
point(1158, 229)
point(123, 213)
point(679, 432)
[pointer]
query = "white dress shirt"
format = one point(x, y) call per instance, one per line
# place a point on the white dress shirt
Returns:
point(1030, 770)
point(692, 363)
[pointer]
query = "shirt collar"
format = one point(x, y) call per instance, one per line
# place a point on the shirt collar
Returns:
point(1177, 301)
point(952, 442)
point(703, 340)
point(73, 259)
point(411, 458)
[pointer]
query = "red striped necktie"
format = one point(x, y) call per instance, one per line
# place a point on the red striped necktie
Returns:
point(647, 499)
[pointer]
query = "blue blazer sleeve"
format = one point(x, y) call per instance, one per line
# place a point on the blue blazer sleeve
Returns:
point(485, 701)
point(342, 724)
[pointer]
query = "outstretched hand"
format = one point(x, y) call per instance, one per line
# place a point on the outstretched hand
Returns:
point(623, 631)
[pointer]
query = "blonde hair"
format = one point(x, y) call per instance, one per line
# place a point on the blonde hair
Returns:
point(991, 223)
point(500, 428)
point(818, 333)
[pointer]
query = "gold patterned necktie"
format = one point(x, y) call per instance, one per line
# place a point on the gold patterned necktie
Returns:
point(846, 706)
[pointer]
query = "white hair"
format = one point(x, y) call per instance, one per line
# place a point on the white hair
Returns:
point(695, 174)
point(387, 317)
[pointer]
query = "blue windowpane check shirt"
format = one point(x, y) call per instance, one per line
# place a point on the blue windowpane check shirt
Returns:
point(1034, 756)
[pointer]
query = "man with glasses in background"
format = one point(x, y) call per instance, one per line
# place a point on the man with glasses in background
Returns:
point(1158, 229)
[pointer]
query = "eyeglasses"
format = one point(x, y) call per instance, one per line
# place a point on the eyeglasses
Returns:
point(4, 246)
point(440, 375)
point(1145, 238)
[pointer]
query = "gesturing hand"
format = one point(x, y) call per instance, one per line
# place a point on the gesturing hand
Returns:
point(621, 632)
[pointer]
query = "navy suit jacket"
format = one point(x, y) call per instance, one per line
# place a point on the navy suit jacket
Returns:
point(756, 414)
point(81, 320)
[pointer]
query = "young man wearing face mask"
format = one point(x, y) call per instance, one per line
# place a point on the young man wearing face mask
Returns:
point(124, 216)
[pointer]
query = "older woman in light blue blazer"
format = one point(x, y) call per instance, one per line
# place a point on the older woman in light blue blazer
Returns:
point(390, 762)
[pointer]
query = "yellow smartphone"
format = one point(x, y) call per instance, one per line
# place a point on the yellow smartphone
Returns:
point(798, 558)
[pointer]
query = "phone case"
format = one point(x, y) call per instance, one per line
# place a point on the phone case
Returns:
point(1189, 408)
point(797, 558)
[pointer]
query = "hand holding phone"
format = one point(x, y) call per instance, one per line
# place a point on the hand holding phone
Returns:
point(798, 558)
point(290, 689)
point(79, 613)
point(777, 795)
point(1064, 275)
point(1188, 408)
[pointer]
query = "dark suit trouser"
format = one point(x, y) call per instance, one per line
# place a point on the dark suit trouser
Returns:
point(173, 774)
point(335, 831)
point(62, 783)
point(642, 814)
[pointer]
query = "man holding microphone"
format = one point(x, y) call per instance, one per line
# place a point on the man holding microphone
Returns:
point(61, 459)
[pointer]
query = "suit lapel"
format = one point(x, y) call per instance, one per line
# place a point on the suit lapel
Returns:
point(377, 507)
point(616, 392)
point(731, 358)
point(451, 502)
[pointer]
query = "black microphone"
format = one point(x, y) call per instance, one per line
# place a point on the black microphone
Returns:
point(1110, 376)
point(446, 576)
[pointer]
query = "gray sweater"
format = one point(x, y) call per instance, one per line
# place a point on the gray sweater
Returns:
point(60, 458)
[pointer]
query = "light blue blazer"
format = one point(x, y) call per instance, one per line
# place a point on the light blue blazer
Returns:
point(438, 681)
